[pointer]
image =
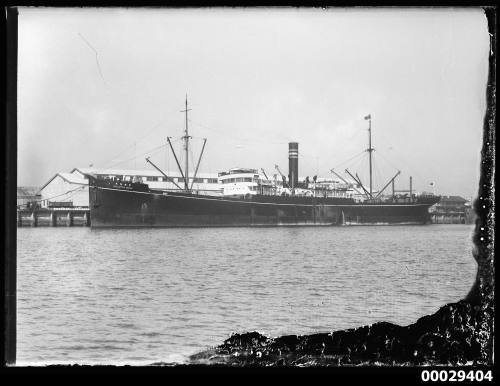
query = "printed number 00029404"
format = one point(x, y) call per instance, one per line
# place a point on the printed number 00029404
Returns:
point(456, 375)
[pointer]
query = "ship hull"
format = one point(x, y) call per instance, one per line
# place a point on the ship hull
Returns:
point(110, 207)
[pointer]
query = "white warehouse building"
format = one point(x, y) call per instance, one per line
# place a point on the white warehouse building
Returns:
point(72, 189)
point(65, 190)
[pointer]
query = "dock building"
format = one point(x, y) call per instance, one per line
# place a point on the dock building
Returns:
point(452, 210)
point(27, 196)
point(71, 189)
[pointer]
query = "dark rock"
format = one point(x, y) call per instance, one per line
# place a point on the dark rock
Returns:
point(457, 333)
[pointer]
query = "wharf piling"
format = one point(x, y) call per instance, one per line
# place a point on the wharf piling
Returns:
point(464, 217)
point(53, 217)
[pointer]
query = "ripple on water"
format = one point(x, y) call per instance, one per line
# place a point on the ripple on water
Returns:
point(159, 295)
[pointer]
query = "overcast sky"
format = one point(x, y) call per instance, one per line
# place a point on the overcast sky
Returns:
point(106, 86)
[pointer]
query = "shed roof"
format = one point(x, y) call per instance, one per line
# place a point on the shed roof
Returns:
point(453, 199)
point(135, 172)
point(68, 177)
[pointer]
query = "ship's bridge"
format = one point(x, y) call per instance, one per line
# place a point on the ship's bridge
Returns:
point(242, 182)
point(238, 171)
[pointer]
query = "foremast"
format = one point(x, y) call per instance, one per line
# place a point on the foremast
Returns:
point(370, 151)
point(185, 173)
point(186, 148)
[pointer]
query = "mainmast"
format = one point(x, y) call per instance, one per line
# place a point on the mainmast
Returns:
point(370, 149)
point(186, 148)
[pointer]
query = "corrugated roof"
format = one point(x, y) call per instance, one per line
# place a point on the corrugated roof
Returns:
point(73, 178)
point(69, 177)
point(453, 199)
point(134, 172)
point(171, 173)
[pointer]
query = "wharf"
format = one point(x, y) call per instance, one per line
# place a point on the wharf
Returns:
point(53, 217)
point(453, 218)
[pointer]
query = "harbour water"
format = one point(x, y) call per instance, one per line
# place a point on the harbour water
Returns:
point(158, 295)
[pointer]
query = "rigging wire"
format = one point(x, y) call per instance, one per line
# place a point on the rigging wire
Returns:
point(417, 179)
point(392, 165)
point(76, 191)
point(378, 175)
point(411, 169)
point(62, 194)
point(167, 153)
point(133, 144)
point(305, 158)
point(167, 160)
point(348, 140)
point(150, 131)
point(192, 166)
point(236, 139)
point(359, 165)
point(308, 165)
point(350, 159)
point(150, 152)
point(381, 156)
point(356, 164)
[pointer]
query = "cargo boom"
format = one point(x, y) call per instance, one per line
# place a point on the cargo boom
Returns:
point(138, 206)
point(133, 204)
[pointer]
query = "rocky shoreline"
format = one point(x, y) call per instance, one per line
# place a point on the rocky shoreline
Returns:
point(457, 334)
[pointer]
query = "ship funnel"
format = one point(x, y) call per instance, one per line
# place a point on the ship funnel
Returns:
point(293, 164)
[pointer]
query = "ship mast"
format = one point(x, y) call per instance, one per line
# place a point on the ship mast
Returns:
point(370, 149)
point(186, 148)
point(185, 174)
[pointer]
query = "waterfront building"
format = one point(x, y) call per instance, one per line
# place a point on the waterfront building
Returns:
point(71, 189)
point(452, 210)
point(27, 196)
point(65, 190)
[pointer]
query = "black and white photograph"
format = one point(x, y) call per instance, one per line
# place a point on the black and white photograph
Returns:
point(251, 187)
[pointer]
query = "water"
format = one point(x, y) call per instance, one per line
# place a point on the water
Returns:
point(144, 296)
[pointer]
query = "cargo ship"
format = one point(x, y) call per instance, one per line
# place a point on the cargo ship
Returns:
point(249, 198)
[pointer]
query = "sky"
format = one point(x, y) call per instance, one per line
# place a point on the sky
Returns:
point(105, 87)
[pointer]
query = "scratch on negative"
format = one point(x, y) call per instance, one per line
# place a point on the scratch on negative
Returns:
point(96, 56)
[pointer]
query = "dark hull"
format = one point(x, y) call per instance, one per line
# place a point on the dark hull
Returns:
point(111, 207)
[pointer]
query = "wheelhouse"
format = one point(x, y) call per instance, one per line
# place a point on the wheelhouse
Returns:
point(241, 182)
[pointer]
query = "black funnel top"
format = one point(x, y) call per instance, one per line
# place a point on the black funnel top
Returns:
point(293, 164)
